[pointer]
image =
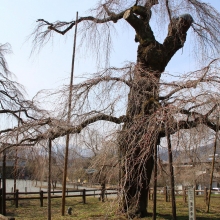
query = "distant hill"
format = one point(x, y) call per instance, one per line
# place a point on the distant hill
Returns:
point(199, 154)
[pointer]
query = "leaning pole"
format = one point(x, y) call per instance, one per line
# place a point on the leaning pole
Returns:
point(68, 120)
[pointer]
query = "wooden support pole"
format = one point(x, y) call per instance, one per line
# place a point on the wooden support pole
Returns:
point(155, 184)
point(16, 198)
point(149, 192)
point(0, 200)
point(84, 196)
point(184, 194)
point(16, 157)
point(171, 174)
point(41, 198)
point(205, 195)
point(49, 181)
point(213, 165)
point(165, 194)
point(4, 183)
point(68, 119)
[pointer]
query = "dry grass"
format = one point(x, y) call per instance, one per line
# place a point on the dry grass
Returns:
point(95, 209)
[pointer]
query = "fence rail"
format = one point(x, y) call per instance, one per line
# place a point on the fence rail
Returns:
point(41, 195)
point(184, 193)
point(16, 196)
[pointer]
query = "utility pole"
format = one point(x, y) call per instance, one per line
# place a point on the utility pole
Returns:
point(68, 121)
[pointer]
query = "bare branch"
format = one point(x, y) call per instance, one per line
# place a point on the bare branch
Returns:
point(191, 83)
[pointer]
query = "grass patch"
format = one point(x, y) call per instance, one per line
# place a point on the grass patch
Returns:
point(94, 209)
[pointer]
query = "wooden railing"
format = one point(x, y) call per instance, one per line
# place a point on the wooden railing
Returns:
point(83, 193)
point(41, 195)
point(184, 193)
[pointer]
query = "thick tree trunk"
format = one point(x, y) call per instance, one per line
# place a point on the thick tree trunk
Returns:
point(137, 142)
point(141, 131)
point(136, 189)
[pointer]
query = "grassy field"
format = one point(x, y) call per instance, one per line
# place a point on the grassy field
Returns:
point(94, 209)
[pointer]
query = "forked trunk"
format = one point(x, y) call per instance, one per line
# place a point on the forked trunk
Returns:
point(140, 133)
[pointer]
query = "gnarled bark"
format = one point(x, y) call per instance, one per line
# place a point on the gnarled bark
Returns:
point(140, 134)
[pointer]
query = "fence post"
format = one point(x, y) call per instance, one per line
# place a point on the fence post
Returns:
point(0, 200)
point(84, 196)
point(165, 194)
point(106, 194)
point(16, 198)
point(184, 194)
point(205, 195)
point(41, 198)
point(102, 194)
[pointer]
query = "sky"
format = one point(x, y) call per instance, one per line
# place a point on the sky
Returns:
point(51, 67)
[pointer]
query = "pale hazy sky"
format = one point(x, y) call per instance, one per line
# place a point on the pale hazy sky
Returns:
point(51, 67)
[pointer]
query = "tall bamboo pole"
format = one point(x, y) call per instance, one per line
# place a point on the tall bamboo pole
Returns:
point(15, 168)
point(171, 174)
point(213, 165)
point(49, 181)
point(4, 183)
point(68, 120)
point(16, 159)
point(155, 184)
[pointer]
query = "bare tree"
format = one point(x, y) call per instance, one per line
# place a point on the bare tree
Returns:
point(101, 154)
point(148, 101)
point(12, 94)
point(15, 109)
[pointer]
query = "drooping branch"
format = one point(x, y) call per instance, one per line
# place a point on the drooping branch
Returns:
point(98, 80)
point(111, 14)
point(194, 119)
point(4, 49)
point(66, 26)
point(204, 78)
point(14, 113)
point(187, 85)
point(195, 123)
point(58, 129)
point(12, 99)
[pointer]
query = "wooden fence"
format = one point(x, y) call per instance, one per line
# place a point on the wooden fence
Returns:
point(184, 193)
point(41, 195)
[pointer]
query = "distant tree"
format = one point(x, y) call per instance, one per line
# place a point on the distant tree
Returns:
point(11, 93)
point(36, 163)
point(15, 108)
